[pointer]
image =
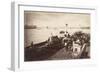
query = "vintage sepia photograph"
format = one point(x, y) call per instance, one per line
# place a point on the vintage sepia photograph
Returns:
point(56, 36)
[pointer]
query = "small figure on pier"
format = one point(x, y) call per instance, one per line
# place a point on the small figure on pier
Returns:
point(32, 44)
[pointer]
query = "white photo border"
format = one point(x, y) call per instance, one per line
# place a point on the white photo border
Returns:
point(17, 60)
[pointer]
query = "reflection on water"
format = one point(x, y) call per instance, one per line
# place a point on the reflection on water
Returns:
point(40, 35)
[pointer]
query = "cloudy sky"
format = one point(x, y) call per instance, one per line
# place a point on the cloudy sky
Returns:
point(51, 19)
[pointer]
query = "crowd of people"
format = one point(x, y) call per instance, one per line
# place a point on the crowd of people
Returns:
point(76, 43)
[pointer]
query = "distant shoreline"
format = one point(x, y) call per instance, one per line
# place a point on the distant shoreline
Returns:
point(35, 27)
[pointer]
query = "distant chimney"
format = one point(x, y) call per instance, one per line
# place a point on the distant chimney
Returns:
point(66, 25)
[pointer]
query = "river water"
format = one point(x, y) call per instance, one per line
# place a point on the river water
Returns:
point(40, 35)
